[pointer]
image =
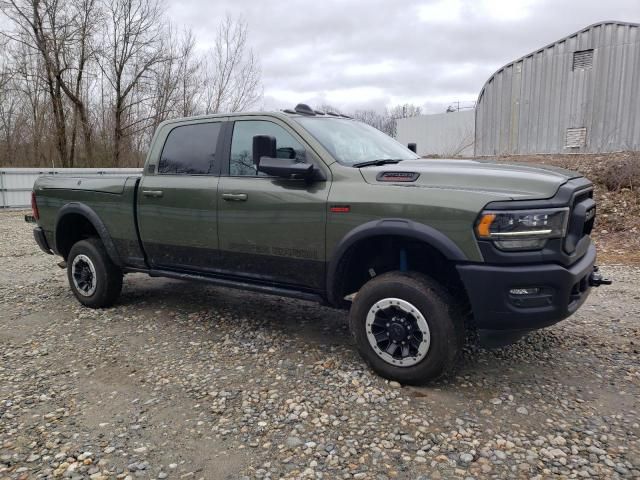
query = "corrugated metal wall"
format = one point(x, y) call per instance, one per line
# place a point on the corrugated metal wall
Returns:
point(531, 105)
point(444, 134)
point(16, 183)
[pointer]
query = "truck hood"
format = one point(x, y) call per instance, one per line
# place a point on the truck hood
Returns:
point(518, 182)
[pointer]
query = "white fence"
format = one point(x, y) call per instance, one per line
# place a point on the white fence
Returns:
point(16, 183)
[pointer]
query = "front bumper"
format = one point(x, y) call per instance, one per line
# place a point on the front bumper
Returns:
point(560, 292)
point(41, 240)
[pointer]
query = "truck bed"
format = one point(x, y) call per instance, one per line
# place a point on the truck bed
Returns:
point(112, 198)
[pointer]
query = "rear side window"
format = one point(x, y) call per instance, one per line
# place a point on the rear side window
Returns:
point(190, 150)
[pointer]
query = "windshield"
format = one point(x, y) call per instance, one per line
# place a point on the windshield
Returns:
point(351, 142)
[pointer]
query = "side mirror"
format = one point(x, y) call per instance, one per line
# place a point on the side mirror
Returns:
point(413, 147)
point(281, 162)
point(263, 146)
point(285, 168)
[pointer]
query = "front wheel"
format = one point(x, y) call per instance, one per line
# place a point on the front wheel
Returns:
point(406, 327)
point(94, 279)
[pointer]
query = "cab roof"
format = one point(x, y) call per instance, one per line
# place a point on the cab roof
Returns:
point(300, 110)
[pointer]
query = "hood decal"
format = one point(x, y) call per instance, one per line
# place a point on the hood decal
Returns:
point(397, 176)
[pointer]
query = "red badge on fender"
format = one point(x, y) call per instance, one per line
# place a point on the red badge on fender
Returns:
point(340, 208)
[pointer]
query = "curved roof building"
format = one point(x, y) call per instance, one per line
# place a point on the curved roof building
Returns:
point(579, 94)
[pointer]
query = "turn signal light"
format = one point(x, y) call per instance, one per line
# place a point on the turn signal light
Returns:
point(484, 225)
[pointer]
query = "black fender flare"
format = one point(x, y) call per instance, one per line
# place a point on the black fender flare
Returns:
point(93, 218)
point(389, 226)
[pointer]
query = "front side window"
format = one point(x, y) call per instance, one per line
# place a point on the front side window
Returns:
point(190, 150)
point(241, 160)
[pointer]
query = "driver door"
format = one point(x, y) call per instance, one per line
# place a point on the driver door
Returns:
point(271, 229)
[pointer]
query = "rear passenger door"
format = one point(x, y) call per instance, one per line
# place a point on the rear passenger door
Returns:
point(271, 229)
point(177, 198)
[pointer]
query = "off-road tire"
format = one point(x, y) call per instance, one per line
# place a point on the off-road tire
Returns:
point(108, 277)
point(441, 312)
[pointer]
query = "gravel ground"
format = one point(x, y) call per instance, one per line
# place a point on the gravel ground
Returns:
point(185, 380)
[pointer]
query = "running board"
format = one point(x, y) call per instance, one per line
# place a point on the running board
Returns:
point(237, 284)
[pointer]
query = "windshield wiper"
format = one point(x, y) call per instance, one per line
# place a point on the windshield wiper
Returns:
point(383, 161)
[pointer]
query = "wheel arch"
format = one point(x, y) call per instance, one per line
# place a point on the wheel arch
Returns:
point(429, 237)
point(68, 231)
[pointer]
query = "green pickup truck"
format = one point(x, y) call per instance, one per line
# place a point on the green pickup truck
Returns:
point(320, 207)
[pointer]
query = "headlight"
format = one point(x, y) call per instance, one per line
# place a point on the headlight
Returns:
point(522, 229)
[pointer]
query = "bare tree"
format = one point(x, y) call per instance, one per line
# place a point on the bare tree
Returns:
point(85, 82)
point(8, 107)
point(232, 75)
point(80, 49)
point(43, 27)
point(385, 121)
point(27, 86)
point(133, 47)
point(406, 110)
point(190, 66)
point(462, 143)
point(176, 80)
point(381, 121)
point(61, 33)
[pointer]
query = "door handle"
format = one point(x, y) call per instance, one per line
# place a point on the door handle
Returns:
point(235, 197)
point(152, 193)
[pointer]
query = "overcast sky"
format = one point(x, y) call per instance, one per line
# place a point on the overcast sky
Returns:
point(378, 53)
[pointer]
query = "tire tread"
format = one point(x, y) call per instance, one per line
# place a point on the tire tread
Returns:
point(440, 298)
point(108, 273)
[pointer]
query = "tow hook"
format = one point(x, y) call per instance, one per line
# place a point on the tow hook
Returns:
point(596, 279)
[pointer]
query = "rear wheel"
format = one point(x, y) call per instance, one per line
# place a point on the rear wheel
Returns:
point(94, 279)
point(407, 327)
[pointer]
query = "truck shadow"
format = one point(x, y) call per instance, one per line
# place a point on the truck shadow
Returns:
point(307, 323)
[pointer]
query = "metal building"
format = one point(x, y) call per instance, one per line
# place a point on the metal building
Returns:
point(579, 94)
